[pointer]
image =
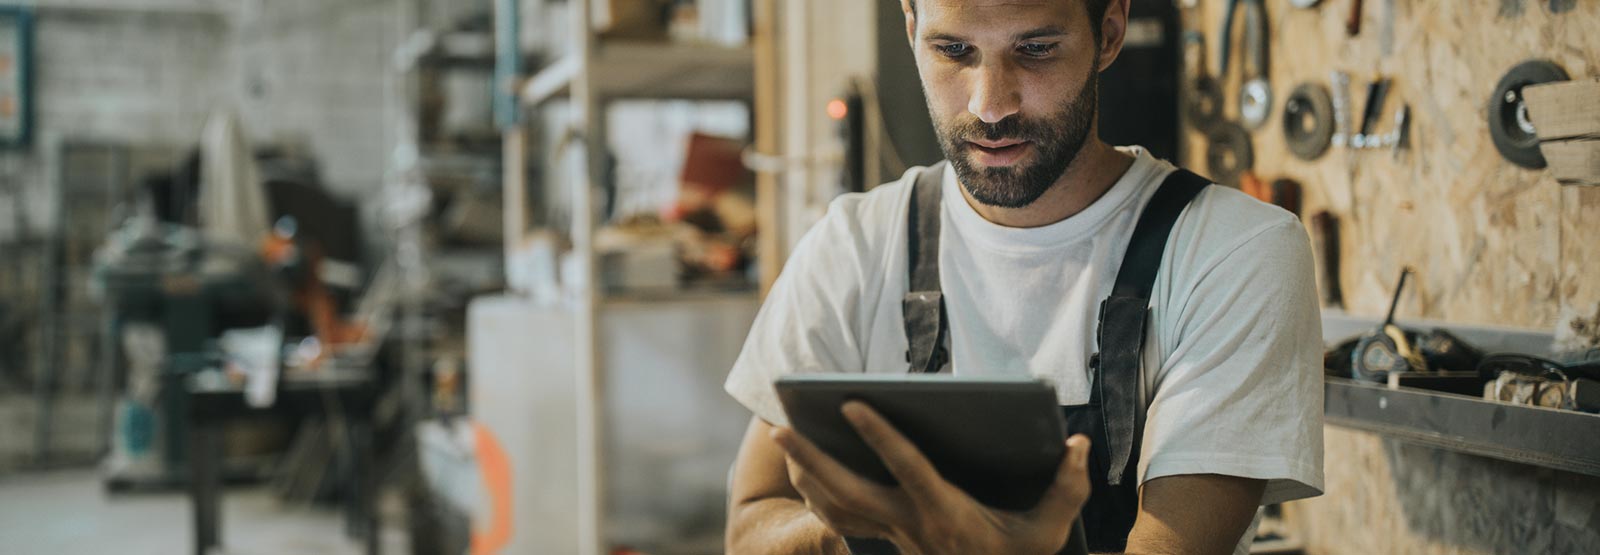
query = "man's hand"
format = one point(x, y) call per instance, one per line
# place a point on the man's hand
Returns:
point(926, 515)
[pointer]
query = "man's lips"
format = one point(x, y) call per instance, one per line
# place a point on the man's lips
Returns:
point(1002, 143)
point(1004, 152)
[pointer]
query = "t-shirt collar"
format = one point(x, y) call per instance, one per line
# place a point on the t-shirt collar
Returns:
point(1066, 232)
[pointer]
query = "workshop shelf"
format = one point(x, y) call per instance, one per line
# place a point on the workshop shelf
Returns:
point(1539, 436)
point(652, 70)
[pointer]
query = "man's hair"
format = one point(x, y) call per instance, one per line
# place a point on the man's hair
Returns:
point(1095, 8)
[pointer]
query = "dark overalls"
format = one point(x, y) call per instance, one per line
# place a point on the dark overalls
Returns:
point(1113, 418)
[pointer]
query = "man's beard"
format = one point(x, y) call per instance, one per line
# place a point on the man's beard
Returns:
point(1056, 139)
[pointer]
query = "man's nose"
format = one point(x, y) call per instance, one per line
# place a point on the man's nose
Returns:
point(994, 92)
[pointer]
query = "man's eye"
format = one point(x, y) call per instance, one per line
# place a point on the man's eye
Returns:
point(953, 50)
point(1037, 49)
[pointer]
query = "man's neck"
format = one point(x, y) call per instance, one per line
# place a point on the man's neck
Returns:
point(1097, 167)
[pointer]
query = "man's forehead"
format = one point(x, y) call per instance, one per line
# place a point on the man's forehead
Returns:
point(990, 3)
point(990, 8)
point(994, 16)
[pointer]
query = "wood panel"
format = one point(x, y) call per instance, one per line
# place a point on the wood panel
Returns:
point(1492, 242)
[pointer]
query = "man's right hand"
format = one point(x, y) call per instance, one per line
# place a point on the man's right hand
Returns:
point(769, 515)
point(925, 514)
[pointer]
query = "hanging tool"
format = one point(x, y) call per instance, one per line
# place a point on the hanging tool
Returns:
point(1325, 226)
point(1228, 153)
point(1377, 92)
point(1509, 126)
point(1286, 194)
point(1204, 106)
point(1341, 107)
point(1308, 124)
point(1352, 24)
point(1255, 94)
point(1396, 138)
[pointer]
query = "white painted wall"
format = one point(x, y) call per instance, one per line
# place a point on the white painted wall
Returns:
point(824, 44)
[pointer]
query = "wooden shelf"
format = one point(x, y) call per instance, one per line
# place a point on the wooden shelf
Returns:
point(653, 70)
point(1539, 436)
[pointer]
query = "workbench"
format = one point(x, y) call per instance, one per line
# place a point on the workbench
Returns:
point(342, 396)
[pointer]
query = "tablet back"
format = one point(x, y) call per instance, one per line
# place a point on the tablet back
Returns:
point(1000, 440)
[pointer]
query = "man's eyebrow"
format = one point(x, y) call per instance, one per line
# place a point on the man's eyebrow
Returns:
point(1051, 31)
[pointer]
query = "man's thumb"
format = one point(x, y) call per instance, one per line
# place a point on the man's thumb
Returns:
point(1071, 486)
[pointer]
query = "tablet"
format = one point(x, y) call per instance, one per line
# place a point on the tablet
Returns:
point(999, 439)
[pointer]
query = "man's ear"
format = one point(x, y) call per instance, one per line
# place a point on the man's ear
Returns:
point(1113, 31)
point(911, 23)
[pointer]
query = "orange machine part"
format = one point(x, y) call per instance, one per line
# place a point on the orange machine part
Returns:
point(496, 472)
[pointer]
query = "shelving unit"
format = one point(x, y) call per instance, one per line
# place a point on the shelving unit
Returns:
point(591, 73)
point(625, 70)
point(1538, 436)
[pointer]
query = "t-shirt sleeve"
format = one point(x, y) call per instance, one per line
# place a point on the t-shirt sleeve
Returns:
point(1240, 394)
point(807, 324)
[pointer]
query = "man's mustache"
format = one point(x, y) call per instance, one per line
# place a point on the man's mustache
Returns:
point(1012, 128)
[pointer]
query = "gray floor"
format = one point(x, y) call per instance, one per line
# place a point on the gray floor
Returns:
point(68, 512)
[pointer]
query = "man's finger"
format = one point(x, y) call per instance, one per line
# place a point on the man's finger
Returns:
point(1071, 486)
point(917, 477)
point(830, 481)
point(843, 523)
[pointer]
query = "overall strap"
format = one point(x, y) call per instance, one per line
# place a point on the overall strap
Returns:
point(923, 306)
point(1123, 318)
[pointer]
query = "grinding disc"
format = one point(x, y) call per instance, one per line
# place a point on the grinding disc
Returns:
point(1205, 103)
point(1308, 121)
point(1513, 135)
point(1228, 153)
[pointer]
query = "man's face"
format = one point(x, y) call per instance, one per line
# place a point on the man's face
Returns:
point(1011, 86)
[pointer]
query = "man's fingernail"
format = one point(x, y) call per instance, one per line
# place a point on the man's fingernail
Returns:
point(1080, 453)
point(851, 411)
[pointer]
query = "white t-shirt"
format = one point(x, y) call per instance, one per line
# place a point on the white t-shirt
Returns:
point(1232, 371)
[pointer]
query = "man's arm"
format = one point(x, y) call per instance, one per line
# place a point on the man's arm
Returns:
point(1194, 513)
point(1200, 513)
point(766, 516)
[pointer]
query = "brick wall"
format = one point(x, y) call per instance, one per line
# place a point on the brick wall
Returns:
point(303, 71)
point(312, 72)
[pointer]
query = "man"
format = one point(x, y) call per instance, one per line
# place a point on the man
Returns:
point(1036, 216)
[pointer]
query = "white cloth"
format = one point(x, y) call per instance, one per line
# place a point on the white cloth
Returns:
point(1232, 373)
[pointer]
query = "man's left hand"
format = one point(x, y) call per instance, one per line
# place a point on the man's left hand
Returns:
point(925, 514)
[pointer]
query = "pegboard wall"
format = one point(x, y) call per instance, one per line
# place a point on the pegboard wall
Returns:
point(1491, 242)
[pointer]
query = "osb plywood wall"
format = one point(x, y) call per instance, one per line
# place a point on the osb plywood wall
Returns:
point(1491, 243)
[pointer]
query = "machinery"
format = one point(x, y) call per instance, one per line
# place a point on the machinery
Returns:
point(167, 295)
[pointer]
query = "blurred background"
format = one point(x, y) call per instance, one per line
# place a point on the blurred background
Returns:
point(466, 276)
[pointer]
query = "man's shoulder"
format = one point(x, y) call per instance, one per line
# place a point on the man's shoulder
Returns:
point(883, 202)
point(873, 216)
point(1224, 216)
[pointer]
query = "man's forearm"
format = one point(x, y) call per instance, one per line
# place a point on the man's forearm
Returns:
point(780, 526)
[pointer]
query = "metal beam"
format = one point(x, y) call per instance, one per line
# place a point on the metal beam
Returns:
point(1530, 435)
point(195, 7)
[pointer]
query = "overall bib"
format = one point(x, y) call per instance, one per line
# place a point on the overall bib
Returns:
point(1113, 418)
